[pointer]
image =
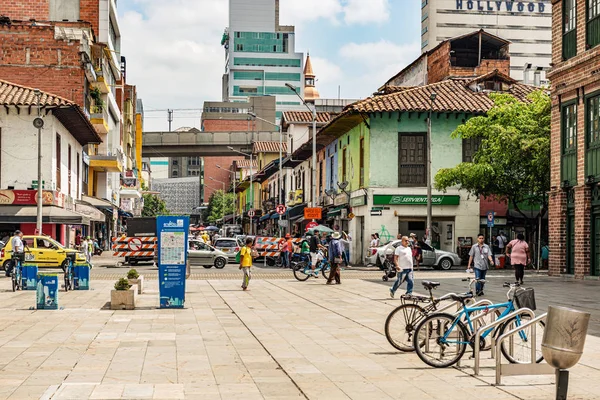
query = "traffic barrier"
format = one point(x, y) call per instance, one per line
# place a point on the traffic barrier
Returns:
point(134, 246)
point(269, 246)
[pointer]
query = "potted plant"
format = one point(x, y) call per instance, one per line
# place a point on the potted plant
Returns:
point(96, 96)
point(123, 296)
point(135, 278)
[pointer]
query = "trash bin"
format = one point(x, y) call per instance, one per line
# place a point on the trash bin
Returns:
point(564, 336)
point(502, 261)
point(30, 273)
point(47, 292)
point(81, 277)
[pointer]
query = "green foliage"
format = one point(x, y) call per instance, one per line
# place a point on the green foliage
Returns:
point(153, 206)
point(122, 284)
point(513, 160)
point(215, 206)
point(133, 274)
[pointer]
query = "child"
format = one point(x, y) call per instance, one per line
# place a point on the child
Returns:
point(246, 262)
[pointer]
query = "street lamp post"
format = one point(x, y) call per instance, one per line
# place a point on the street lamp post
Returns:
point(253, 115)
point(313, 196)
point(251, 182)
point(234, 194)
point(432, 97)
point(222, 199)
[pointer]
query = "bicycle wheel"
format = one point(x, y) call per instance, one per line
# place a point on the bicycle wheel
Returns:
point(300, 271)
point(400, 325)
point(517, 349)
point(13, 278)
point(326, 270)
point(67, 282)
point(430, 345)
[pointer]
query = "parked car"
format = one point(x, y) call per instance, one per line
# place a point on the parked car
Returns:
point(43, 251)
point(228, 246)
point(438, 259)
point(200, 253)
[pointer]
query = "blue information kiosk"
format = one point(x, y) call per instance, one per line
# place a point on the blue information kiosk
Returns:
point(172, 259)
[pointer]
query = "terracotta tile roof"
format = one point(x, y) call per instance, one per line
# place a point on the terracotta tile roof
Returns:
point(245, 163)
point(306, 117)
point(453, 95)
point(12, 94)
point(268, 147)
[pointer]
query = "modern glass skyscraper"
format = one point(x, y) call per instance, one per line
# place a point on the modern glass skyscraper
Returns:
point(260, 56)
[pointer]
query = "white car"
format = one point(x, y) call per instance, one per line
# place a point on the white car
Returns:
point(438, 259)
point(200, 253)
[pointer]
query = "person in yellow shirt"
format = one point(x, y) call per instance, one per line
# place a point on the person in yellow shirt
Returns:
point(246, 262)
point(205, 237)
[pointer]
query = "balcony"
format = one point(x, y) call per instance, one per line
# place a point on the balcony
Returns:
point(104, 160)
point(101, 66)
point(99, 118)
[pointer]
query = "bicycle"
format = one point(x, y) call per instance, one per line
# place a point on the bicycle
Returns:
point(400, 324)
point(69, 276)
point(16, 274)
point(451, 336)
point(303, 270)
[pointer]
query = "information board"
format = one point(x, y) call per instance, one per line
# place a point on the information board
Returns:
point(172, 235)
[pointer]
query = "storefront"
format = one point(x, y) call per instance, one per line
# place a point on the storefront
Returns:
point(101, 230)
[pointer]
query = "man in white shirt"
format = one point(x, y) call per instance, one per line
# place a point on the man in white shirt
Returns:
point(17, 242)
point(404, 265)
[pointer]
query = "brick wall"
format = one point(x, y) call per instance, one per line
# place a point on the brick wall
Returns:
point(89, 11)
point(211, 170)
point(52, 65)
point(438, 64)
point(222, 125)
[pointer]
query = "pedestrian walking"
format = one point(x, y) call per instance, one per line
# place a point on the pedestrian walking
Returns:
point(88, 249)
point(545, 255)
point(502, 241)
point(315, 245)
point(403, 259)
point(520, 255)
point(416, 250)
point(291, 249)
point(246, 256)
point(284, 252)
point(335, 258)
point(481, 258)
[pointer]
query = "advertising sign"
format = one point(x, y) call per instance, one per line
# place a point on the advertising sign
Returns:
point(29, 197)
point(415, 200)
point(47, 292)
point(172, 258)
point(313, 213)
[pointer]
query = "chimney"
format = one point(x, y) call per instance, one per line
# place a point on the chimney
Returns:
point(526, 69)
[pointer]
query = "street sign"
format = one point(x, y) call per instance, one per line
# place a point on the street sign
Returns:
point(313, 213)
point(311, 225)
point(490, 219)
point(251, 213)
point(135, 244)
point(172, 259)
point(376, 213)
point(280, 209)
point(283, 223)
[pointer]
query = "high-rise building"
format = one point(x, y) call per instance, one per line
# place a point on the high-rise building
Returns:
point(527, 25)
point(260, 55)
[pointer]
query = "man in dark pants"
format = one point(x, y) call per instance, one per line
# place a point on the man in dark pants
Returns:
point(481, 258)
point(335, 258)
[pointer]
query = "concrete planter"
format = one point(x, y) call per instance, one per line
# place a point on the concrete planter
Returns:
point(123, 299)
point(139, 282)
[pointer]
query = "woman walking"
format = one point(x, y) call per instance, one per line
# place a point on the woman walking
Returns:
point(520, 256)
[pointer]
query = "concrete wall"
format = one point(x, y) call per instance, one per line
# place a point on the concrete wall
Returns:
point(331, 175)
point(351, 142)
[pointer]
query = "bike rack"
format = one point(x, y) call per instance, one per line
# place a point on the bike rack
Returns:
point(531, 368)
point(497, 322)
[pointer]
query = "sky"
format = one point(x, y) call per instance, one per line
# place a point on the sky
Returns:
point(175, 59)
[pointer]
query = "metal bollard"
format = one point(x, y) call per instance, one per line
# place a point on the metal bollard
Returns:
point(563, 342)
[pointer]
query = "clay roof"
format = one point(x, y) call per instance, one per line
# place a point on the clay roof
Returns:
point(268, 147)
point(453, 95)
point(12, 94)
point(245, 163)
point(305, 117)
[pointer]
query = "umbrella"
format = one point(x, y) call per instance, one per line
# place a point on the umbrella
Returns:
point(321, 228)
point(196, 228)
point(211, 228)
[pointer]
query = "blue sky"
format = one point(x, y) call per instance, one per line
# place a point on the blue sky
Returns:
point(174, 55)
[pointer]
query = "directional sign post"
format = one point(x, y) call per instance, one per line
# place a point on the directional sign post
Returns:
point(490, 224)
point(172, 259)
point(280, 209)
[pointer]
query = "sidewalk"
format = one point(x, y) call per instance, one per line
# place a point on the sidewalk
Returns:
point(282, 339)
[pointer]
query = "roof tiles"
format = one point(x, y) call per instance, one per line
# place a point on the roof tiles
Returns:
point(305, 117)
point(12, 94)
point(268, 147)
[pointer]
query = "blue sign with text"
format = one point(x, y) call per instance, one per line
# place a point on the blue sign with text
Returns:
point(172, 258)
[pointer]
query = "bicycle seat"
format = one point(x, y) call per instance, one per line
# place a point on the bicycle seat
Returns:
point(461, 297)
point(430, 284)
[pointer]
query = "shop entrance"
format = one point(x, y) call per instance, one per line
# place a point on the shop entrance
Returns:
point(442, 235)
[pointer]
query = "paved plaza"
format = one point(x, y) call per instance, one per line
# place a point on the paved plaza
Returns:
point(282, 339)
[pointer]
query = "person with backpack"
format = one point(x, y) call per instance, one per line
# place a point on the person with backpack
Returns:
point(335, 258)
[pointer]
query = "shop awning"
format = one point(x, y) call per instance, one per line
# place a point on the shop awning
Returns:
point(50, 215)
point(125, 214)
point(89, 211)
point(296, 212)
point(129, 194)
point(336, 211)
point(275, 216)
point(265, 217)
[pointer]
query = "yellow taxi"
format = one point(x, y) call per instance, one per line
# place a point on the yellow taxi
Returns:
point(42, 251)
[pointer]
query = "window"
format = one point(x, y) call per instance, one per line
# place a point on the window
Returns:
point(593, 23)
point(469, 148)
point(412, 159)
point(175, 173)
point(175, 162)
point(569, 29)
point(267, 62)
point(362, 162)
point(321, 166)
point(593, 131)
point(69, 169)
point(78, 178)
point(58, 162)
point(331, 166)
point(592, 154)
point(344, 164)
point(569, 145)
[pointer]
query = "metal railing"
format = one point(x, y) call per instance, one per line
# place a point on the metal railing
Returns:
point(497, 322)
point(531, 368)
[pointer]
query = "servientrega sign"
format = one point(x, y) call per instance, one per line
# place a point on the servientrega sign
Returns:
point(505, 5)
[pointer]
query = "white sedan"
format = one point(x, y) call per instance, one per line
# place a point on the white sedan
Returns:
point(438, 259)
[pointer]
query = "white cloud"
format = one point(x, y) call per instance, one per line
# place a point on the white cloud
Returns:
point(174, 56)
point(296, 12)
point(366, 12)
point(329, 76)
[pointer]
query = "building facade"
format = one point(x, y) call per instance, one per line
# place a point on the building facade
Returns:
point(574, 202)
point(526, 24)
point(260, 55)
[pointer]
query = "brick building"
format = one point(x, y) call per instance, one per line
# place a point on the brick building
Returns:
point(574, 204)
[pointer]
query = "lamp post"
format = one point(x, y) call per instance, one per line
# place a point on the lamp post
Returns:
point(39, 123)
point(251, 183)
point(432, 97)
point(222, 199)
point(233, 181)
point(313, 195)
point(253, 115)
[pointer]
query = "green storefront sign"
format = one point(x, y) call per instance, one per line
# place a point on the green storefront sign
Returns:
point(415, 200)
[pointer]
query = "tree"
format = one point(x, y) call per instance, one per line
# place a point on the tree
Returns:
point(214, 211)
point(153, 206)
point(513, 159)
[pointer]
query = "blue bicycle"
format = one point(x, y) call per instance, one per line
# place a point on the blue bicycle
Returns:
point(16, 275)
point(69, 275)
point(440, 340)
point(303, 270)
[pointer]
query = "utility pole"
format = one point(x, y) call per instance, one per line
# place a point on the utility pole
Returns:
point(432, 97)
point(39, 123)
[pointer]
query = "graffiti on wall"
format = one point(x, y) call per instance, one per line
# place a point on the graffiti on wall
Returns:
point(384, 235)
